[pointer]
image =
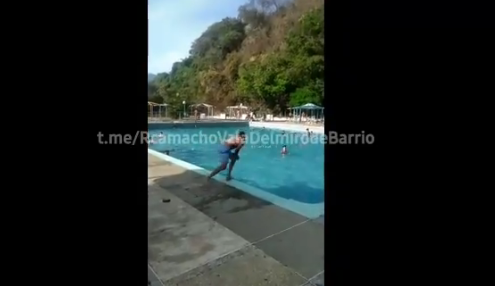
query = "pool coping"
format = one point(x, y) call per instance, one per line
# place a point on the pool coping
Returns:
point(310, 211)
point(287, 126)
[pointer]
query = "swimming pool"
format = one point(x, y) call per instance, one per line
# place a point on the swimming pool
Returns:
point(297, 177)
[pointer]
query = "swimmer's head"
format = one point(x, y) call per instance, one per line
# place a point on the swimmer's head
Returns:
point(242, 134)
point(161, 133)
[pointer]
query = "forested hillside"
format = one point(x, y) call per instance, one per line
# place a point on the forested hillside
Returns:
point(270, 57)
point(151, 77)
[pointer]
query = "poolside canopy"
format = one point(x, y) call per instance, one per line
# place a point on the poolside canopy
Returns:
point(208, 107)
point(152, 106)
point(315, 111)
point(309, 106)
point(239, 107)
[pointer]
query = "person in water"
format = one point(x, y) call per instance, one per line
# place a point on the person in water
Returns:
point(309, 133)
point(161, 135)
point(284, 150)
point(229, 151)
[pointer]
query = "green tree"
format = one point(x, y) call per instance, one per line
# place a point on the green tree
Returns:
point(270, 56)
point(304, 95)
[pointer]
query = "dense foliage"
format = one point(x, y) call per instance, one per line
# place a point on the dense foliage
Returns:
point(270, 57)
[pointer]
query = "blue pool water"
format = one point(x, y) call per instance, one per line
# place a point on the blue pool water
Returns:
point(297, 176)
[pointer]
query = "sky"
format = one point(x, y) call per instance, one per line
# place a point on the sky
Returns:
point(173, 26)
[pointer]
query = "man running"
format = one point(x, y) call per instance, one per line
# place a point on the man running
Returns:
point(229, 150)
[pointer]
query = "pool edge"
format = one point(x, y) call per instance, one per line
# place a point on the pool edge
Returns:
point(310, 211)
point(287, 127)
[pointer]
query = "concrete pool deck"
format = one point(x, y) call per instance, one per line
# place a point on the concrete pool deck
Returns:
point(307, 210)
point(213, 234)
point(192, 120)
point(288, 126)
point(279, 125)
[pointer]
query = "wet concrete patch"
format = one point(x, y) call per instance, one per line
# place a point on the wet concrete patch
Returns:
point(320, 220)
point(301, 248)
point(246, 267)
point(257, 224)
point(242, 213)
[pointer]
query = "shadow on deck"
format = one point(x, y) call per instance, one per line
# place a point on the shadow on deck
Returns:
point(259, 229)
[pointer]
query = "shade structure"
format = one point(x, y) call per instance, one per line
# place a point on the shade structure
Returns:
point(241, 108)
point(160, 107)
point(307, 111)
point(208, 107)
point(309, 106)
